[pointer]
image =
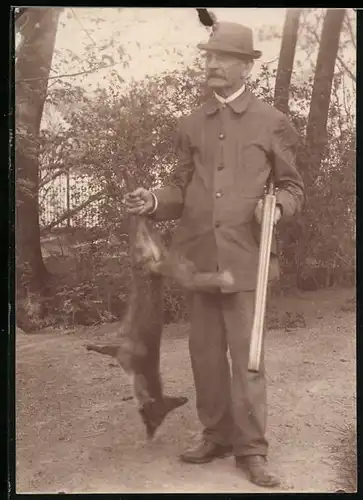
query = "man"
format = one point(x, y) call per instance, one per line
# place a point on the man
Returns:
point(227, 150)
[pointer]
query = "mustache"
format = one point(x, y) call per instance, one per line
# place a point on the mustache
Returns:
point(214, 74)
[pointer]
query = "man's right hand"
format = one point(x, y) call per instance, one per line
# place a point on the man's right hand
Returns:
point(139, 202)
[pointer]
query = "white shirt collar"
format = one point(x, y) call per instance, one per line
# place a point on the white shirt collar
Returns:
point(231, 97)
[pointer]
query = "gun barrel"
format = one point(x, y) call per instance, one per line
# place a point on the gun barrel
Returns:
point(268, 218)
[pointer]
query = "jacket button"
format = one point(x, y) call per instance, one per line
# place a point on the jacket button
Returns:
point(220, 167)
point(219, 194)
point(217, 224)
point(221, 136)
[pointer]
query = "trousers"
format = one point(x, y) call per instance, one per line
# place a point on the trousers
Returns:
point(230, 400)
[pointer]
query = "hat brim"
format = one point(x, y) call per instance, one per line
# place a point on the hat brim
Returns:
point(221, 47)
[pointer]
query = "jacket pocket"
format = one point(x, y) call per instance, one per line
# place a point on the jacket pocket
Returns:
point(252, 170)
point(252, 155)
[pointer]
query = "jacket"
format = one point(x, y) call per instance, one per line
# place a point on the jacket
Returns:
point(225, 156)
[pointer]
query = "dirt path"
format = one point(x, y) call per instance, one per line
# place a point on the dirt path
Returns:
point(76, 434)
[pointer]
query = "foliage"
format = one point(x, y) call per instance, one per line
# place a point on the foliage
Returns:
point(318, 247)
point(91, 278)
point(309, 37)
point(135, 129)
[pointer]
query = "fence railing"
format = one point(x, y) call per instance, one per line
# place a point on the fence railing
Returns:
point(60, 199)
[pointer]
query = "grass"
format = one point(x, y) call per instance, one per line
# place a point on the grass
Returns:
point(346, 458)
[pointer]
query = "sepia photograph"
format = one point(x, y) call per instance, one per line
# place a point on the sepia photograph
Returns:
point(185, 250)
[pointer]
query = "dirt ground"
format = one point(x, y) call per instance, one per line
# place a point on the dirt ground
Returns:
point(78, 433)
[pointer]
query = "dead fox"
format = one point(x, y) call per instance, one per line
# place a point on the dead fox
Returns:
point(137, 349)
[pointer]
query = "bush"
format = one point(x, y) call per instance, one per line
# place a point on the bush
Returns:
point(91, 278)
point(135, 130)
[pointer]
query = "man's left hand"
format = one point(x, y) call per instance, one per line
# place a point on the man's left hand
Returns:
point(259, 212)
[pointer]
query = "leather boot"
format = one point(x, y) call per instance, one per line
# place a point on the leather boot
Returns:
point(255, 466)
point(205, 452)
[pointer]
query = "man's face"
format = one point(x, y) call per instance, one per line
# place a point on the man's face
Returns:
point(226, 70)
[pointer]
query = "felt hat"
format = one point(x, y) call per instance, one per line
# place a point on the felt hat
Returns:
point(232, 38)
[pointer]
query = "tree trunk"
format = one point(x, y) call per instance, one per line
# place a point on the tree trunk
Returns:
point(32, 67)
point(286, 59)
point(312, 151)
point(316, 134)
point(281, 102)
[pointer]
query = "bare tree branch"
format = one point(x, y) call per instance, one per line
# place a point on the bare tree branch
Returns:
point(82, 27)
point(50, 178)
point(271, 60)
point(61, 170)
point(350, 29)
point(339, 59)
point(346, 69)
point(74, 211)
point(68, 75)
